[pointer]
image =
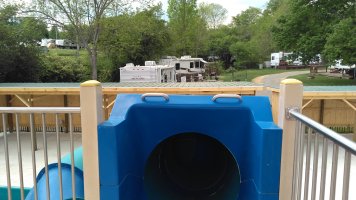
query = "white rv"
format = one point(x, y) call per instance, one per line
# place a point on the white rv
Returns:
point(148, 73)
point(338, 65)
point(188, 64)
point(47, 42)
point(64, 43)
point(276, 59)
point(186, 67)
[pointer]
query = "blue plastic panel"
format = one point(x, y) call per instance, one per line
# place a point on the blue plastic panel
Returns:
point(136, 127)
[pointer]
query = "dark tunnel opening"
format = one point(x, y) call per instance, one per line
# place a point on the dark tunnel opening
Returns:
point(191, 166)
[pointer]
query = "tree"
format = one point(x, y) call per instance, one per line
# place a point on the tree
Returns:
point(219, 41)
point(248, 40)
point(243, 54)
point(19, 55)
point(186, 27)
point(305, 28)
point(54, 32)
point(33, 29)
point(213, 14)
point(262, 37)
point(135, 37)
point(243, 22)
point(243, 27)
point(341, 43)
point(84, 17)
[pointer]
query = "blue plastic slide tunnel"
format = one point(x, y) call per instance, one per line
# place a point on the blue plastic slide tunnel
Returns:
point(190, 147)
point(191, 166)
point(54, 183)
point(66, 179)
point(78, 158)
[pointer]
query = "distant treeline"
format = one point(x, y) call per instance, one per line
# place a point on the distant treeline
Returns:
point(305, 27)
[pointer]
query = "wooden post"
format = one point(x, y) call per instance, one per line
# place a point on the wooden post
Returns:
point(321, 111)
point(106, 109)
point(291, 96)
point(66, 116)
point(91, 105)
point(35, 147)
point(354, 136)
point(10, 122)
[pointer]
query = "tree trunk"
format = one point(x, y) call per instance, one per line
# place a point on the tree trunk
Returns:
point(94, 71)
point(94, 52)
point(78, 45)
point(93, 58)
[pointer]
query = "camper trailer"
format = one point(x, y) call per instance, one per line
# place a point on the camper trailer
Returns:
point(47, 42)
point(64, 43)
point(340, 66)
point(188, 64)
point(187, 68)
point(150, 72)
point(283, 58)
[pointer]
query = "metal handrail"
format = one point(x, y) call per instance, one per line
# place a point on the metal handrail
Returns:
point(330, 134)
point(324, 134)
point(39, 109)
point(4, 113)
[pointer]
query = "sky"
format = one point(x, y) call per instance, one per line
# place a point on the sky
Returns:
point(233, 7)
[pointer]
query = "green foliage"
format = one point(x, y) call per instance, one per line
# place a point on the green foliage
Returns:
point(218, 44)
point(187, 28)
point(306, 27)
point(247, 17)
point(243, 53)
point(341, 43)
point(134, 37)
point(262, 37)
point(84, 17)
point(242, 48)
point(33, 30)
point(19, 64)
point(303, 26)
point(343, 129)
point(248, 41)
point(54, 33)
point(234, 74)
point(63, 69)
point(213, 14)
point(66, 65)
point(19, 56)
point(321, 80)
point(214, 68)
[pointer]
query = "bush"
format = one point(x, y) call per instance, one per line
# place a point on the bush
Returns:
point(19, 64)
point(61, 69)
point(106, 69)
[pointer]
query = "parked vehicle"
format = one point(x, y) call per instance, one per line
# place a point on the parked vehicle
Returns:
point(169, 69)
point(47, 42)
point(65, 44)
point(340, 66)
point(59, 43)
point(283, 58)
point(187, 69)
point(148, 73)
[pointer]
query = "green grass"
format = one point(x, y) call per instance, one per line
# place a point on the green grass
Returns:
point(67, 52)
point(321, 80)
point(249, 74)
point(70, 54)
